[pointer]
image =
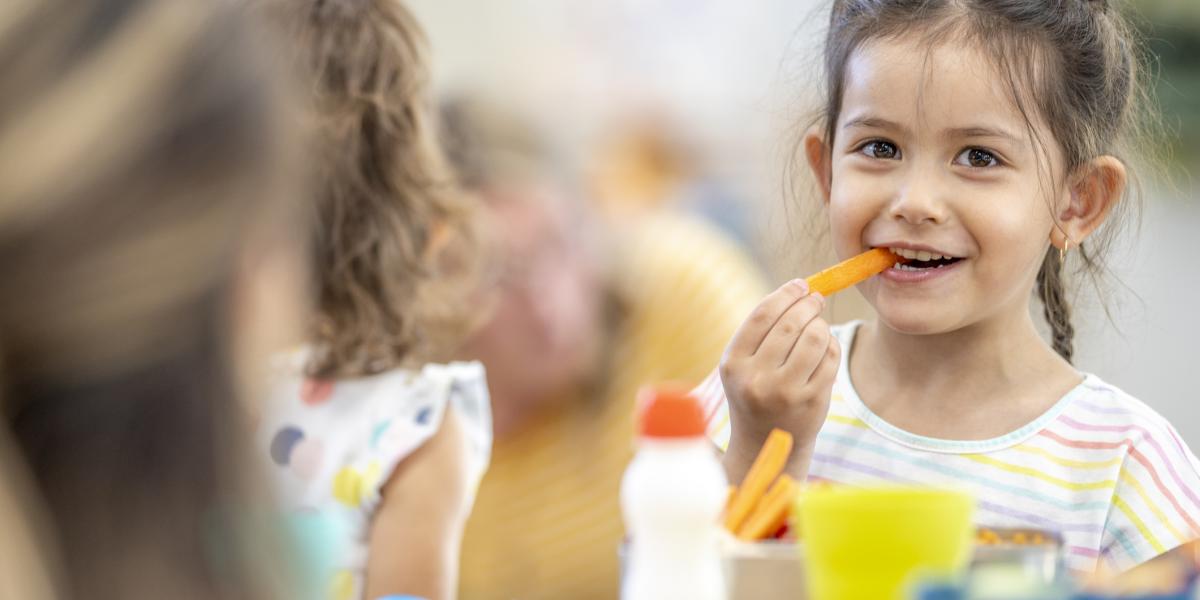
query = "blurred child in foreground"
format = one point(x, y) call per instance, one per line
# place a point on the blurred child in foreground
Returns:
point(145, 266)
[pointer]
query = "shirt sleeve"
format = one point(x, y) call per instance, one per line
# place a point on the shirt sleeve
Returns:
point(1156, 503)
point(711, 393)
point(398, 426)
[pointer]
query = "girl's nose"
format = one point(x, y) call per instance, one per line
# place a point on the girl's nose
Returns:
point(919, 202)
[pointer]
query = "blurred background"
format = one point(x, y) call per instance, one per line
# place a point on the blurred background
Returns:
point(695, 106)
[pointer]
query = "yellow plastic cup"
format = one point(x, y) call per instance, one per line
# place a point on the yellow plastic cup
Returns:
point(862, 543)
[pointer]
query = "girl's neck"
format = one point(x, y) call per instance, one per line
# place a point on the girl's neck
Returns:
point(996, 348)
point(975, 382)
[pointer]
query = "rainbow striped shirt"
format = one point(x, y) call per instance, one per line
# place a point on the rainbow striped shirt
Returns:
point(1100, 467)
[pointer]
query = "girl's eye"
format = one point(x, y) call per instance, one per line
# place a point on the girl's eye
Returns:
point(978, 158)
point(880, 149)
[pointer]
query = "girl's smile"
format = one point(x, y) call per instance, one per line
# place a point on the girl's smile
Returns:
point(922, 264)
point(933, 159)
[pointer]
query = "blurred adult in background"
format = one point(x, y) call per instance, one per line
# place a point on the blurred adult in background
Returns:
point(144, 266)
point(583, 313)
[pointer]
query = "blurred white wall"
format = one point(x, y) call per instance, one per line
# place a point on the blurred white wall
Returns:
point(1152, 350)
point(736, 76)
point(724, 71)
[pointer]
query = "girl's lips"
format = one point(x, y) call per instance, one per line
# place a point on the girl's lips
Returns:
point(921, 275)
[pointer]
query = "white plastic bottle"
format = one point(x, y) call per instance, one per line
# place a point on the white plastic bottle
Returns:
point(672, 496)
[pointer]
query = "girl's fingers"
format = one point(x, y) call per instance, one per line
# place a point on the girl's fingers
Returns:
point(828, 367)
point(754, 329)
point(783, 336)
point(811, 348)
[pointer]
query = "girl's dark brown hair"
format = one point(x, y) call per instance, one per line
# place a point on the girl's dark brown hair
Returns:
point(143, 149)
point(1074, 64)
point(394, 252)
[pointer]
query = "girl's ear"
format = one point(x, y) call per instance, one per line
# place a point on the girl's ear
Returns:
point(1095, 190)
point(818, 154)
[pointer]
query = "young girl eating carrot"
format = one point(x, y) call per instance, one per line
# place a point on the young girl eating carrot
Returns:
point(367, 423)
point(985, 144)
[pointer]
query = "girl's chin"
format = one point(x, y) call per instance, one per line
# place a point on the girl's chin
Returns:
point(913, 320)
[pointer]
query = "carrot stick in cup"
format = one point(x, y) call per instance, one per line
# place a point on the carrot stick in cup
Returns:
point(729, 496)
point(771, 512)
point(770, 462)
point(852, 271)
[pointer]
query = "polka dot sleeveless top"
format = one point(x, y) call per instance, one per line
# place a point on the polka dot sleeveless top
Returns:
point(331, 445)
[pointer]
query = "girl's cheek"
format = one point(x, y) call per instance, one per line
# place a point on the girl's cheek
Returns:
point(847, 230)
point(853, 206)
point(851, 185)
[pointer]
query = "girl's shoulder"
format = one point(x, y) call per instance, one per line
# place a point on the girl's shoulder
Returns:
point(358, 407)
point(1155, 502)
point(290, 385)
point(320, 434)
point(1100, 407)
point(1102, 415)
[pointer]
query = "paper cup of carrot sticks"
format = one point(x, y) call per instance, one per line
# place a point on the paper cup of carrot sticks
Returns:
point(761, 556)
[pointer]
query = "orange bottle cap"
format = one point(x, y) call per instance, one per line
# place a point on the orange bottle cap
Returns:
point(669, 412)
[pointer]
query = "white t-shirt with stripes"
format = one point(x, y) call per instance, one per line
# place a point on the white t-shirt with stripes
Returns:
point(1100, 467)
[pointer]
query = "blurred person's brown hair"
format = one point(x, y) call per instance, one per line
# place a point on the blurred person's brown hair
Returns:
point(144, 149)
point(395, 255)
point(26, 561)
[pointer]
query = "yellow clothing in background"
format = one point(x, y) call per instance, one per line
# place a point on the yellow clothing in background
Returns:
point(547, 520)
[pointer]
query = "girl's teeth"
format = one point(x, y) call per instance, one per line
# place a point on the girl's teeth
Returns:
point(921, 255)
point(904, 267)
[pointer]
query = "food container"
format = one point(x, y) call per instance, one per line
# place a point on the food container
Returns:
point(1031, 553)
point(766, 570)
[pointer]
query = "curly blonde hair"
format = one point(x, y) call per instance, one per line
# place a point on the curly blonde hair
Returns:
point(394, 246)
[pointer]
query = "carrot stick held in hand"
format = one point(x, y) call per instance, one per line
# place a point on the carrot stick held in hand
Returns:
point(778, 372)
point(852, 271)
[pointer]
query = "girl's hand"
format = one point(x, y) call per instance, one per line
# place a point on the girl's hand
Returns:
point(778, 371)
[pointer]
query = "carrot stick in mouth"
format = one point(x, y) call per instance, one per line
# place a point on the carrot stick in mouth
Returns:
point(852, 271)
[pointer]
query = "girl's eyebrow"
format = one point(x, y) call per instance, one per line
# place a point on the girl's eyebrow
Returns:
point(973, 131)
point(874, 123)
point(979, 131)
